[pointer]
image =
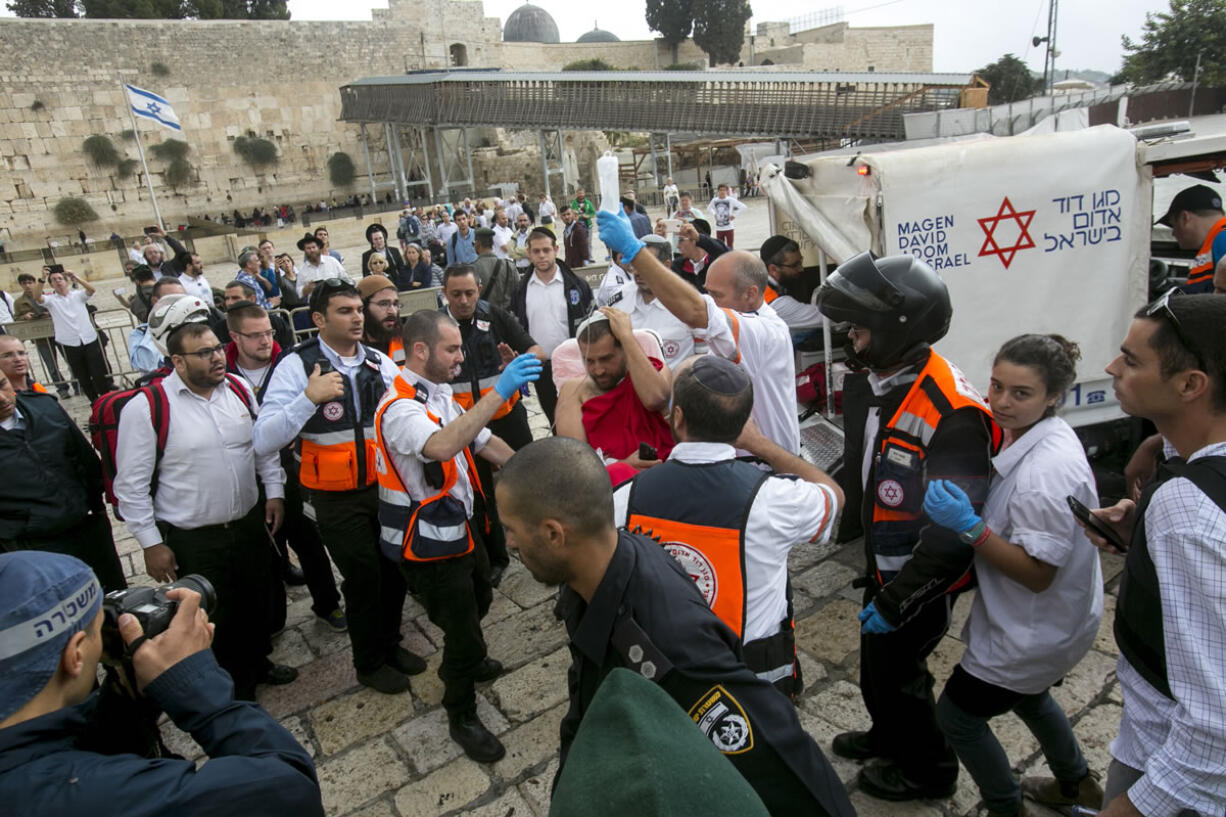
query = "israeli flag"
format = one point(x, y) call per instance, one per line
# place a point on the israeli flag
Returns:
point(152, 106)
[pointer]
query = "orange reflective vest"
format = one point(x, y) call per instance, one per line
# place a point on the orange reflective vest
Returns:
point(395, 350)
point(1200, 276)
point(35, 386)
point(772, 292)
point(427, 529)
point(698, 513)
point(482, 364)
point(336, 447)
point(939, 390)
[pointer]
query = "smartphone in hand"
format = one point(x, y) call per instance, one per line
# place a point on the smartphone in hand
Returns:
point(647, 453)
point(1095, 524)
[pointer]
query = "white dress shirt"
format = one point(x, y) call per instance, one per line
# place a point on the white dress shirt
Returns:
point(545, 308)
point(502, 237)
point(445, 232)
point(197, 286)
point(70, 317)
point(406, 429)
point(784, 513)
point(328, 267)
point(676, 338)
point(14, 421)
point(1181, 744)
point(760, 342)
point(286, 408)
point(546, 210)
point(6, 307)
point(1017, 639)
point(207, 475)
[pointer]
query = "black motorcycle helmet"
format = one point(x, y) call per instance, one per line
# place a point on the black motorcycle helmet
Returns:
point(898, 298)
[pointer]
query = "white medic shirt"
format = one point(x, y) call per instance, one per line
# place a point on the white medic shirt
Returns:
point(785, 512)
point(760, 342)
point(676, 338)
point(1017, 639)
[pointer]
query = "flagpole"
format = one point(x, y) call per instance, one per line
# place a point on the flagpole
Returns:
point(123, 87)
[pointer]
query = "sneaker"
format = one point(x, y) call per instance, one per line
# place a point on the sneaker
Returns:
point(1048, 791)
point(335, 621)
point(885, 781)
point(385, 679)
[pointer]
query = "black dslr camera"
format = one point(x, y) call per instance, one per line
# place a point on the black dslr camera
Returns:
point(152, 609)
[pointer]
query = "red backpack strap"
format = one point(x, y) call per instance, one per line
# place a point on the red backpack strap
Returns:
point(237, 387)
point(159, 417)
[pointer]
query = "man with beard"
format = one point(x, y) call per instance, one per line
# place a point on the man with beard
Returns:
point(785, 266)
point(619, 405)
point(253, 354)
point(195, 508)
point(323, 395)
point(316, 265)
point(627, 603)
point(427, 491)
point(492, 338)
point(381, 314)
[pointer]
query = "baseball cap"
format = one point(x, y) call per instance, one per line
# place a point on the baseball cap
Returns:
point(371, 284)
point(48, 598)
point(1194, 198)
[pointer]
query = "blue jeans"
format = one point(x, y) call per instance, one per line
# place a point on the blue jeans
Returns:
point(963, 712)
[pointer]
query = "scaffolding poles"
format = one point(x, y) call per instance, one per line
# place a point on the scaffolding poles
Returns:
point(551, 142)
point(370, 171)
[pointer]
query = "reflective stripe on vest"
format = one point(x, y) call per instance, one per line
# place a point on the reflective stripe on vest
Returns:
point(462, 393)
point(1202, 268)
point(898, 471)
point(395, 350)
point(772, 292)
point(336, 449)
point(698, 513)
point(426, 530)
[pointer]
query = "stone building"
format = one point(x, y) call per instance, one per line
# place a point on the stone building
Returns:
point(60, 82)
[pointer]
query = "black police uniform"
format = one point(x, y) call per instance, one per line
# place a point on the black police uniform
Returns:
point(648, 616)
point(894, 677)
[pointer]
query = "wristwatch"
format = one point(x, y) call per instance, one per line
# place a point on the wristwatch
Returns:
point(973, 535)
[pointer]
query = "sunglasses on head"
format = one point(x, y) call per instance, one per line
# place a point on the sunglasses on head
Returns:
point(1161, 308)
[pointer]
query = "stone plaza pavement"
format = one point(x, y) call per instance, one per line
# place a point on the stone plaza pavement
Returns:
point(380, 755)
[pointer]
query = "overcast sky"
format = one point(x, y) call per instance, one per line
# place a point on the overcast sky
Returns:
point(968, 33)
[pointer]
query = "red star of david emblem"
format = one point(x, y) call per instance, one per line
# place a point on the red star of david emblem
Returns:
point(989, 225)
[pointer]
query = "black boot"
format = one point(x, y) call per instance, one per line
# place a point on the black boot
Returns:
point(477, 742)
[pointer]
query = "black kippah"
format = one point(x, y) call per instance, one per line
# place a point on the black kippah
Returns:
point(772, 246)
point(720, 376)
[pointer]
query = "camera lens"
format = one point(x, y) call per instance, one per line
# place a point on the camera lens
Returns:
point(198, 583)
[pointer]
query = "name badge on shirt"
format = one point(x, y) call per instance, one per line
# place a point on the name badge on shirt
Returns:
point(483, 326)
point(900, 457)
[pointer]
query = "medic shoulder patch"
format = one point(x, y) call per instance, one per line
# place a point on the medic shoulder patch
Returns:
point(482, 326)
point(890, 493)
point(333, 411)
point(722, 719)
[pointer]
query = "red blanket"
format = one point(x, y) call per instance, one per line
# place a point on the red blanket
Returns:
point(616, 422)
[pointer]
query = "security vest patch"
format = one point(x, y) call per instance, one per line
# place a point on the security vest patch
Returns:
point(723, 720)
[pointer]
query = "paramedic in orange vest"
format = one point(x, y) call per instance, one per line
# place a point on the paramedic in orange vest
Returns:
point(322, 397)
point(492, 338)
point(427, 490)
point(730, 524)
point(381, 314)
point(910, 418)
point(785, 266)
point(1198, 224)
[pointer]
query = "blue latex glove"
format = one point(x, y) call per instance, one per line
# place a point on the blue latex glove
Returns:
point(948, 505)
point(618, 235)
point(873, 622)
point(519, 372)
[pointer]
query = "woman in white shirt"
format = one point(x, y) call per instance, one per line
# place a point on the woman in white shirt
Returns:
point(1040, 592)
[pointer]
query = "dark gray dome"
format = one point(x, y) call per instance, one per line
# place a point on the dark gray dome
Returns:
point(530, 24)
point(599, 35)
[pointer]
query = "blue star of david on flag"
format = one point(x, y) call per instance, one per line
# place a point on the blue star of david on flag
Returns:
point(151, 106)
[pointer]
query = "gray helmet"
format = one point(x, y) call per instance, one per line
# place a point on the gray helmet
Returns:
point(899, 298)
point(171, 312)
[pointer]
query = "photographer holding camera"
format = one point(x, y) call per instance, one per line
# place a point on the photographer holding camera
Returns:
point(51, 640)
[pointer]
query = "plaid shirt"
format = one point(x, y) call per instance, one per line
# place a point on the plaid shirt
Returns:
point(1181, 744)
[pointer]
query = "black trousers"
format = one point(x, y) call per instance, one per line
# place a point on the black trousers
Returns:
point(90, 540)
point(546, 391)
point(300, 534)
point(46, 350)
point(237, 558)
point(456, 594)
point(514, 431)
point(373, 588)
point(88, 364)
point(897, 690)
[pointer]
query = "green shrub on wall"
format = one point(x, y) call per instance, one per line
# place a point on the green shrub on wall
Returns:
point(255, 151)
point(101, 151)
point(73, 211)
point(341, 170)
